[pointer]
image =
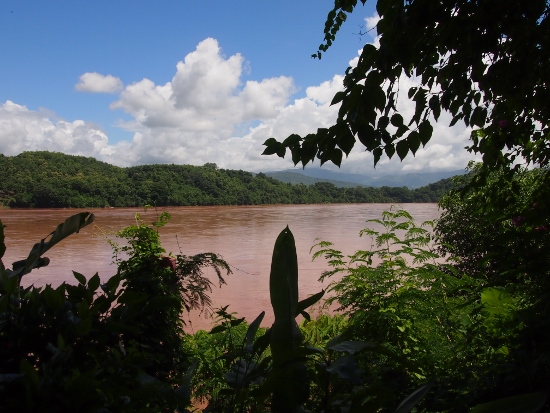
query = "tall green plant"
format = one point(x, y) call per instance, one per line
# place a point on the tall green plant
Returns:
point(291, 384)
point(270, 365)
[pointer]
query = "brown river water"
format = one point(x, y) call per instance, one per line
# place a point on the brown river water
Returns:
point(243, 235)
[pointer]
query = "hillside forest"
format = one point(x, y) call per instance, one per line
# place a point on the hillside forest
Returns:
point(55, 180)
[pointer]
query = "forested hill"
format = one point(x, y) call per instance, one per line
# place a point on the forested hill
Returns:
point(48, 179)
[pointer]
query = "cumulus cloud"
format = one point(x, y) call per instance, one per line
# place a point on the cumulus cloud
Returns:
point(206, 113)
point(94, 82)
point(192, 118)
point(372, 21)
point(324, 93)
point(22, 130)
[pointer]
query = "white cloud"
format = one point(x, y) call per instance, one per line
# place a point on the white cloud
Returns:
point(372, 21)
point(192, 118)
point(22, 130)
point(325, 91)
point(206, 113)
point(94, 82)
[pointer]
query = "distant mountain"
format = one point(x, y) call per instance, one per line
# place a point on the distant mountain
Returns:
point(298, 178)
point(411, 180)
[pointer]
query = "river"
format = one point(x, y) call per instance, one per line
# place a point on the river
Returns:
point(243, 235)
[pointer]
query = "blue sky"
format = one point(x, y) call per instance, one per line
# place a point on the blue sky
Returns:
point(133, 82)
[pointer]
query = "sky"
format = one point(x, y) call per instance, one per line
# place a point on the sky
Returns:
point(186, 82)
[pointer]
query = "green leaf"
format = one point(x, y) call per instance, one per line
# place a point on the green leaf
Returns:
point(71, 226)
point(401, 131)
point(283, 290)
point(252, 330)
point(402, 149)
point(425, 131)
point(93, 283)
point(346, 140)
point(80, 278)
point(336, 156)
point(274, 148)
point(162, 302)
point(150, 383)
point(414, 142)
point(498, 301)
point(112, 284)
point(382, 6)
point(31, 375)
point(296, 155)
point(237, 322)
point(383, 122)
point(4, 301)
point(218, 329)
point(478, 117)
point(338, 98)
point(307, 302)
point(389, 149)
point(183, 392)
point(292, 140)
point(377, 152)
point(52, 298)
point(456, 118)
point(346, 368)
point(309, 149)
point(262, 342)
point(240, 370)
point(435, 106)
point(102, 304)
point(413, 399)
point(366, 136)
point(397, 120)
point(306, 315)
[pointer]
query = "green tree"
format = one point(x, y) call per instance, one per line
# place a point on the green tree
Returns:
point(484, 62)
point(506, 248)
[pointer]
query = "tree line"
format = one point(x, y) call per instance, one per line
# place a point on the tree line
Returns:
point(55, 180)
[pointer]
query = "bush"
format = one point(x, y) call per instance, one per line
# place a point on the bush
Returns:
point(89, 347)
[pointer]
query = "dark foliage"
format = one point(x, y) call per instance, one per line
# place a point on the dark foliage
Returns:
point(55, 180)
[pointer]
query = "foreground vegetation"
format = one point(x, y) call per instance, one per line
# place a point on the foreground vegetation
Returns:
point(56, 180)
point(460, 325)
point(415, 331)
